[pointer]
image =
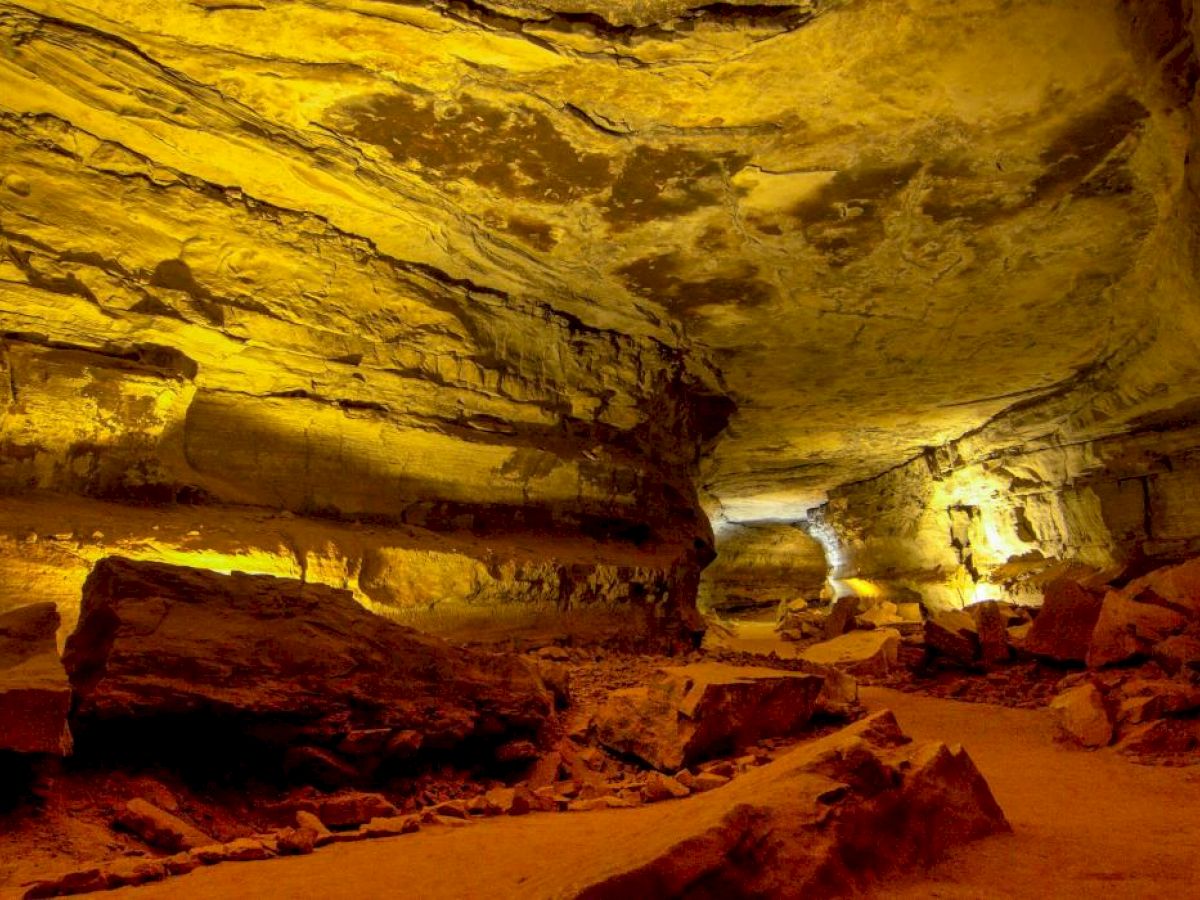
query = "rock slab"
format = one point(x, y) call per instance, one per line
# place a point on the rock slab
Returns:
point(302, 662)
point(875, 652)
point(694, 712)
point(35, 696)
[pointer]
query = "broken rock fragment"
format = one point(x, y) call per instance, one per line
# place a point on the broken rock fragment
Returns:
point(1081, 717)
point(874, 652)
point(1063, 628)
point(810, 823)
point(35, 696)
point(693, 712)
point(159, 828)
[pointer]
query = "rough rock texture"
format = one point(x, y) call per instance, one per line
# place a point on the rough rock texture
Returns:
point(299, 664)
point(1098, 468)
point(460, 586)
point(1144, 613)
point(1080, 716)
point(35, 696)
point(1063, 628)
point(159, 828)
point(693, 712)
point(811, 823)
point(874, 652)
point(509, 267)
point(760, 566)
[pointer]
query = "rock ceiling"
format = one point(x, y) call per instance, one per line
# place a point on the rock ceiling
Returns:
point(873, 224)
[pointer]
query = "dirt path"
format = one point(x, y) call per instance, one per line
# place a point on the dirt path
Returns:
point(1086, 825)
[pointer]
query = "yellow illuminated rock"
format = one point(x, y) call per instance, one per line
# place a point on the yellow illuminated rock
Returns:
point(512, 268)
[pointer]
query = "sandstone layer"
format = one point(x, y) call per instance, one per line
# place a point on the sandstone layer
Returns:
point(512, 268)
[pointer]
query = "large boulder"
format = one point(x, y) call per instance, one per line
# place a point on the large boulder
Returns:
point(1062, 631)
point(35, 695)
point(1081, 717)
point(1130, 625)
point(302, 664)
point(867, 653)
point(953, 635)
point(825, 820)
point(690, 713)
point(1144, 613)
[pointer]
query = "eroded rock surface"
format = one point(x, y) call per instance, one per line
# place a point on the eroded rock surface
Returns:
point(35, 695)
point(294, 663)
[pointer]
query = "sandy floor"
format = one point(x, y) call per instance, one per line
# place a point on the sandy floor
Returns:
point(1086, 825)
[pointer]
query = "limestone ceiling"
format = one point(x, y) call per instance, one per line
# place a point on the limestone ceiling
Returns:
point(883, 221)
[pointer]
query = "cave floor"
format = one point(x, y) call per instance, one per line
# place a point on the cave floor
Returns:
point(1084, 824)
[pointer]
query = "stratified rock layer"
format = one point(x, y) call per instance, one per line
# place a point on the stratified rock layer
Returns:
point(34, 694)
point(760, 566)
point(299, 663)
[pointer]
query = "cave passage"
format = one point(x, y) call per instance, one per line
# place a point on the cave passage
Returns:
point(646, 448)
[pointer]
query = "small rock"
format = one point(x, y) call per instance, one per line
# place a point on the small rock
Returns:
point(454, 809)
point(248, 850)
point(392, 826)
point(134, 871)
point(841, 617)
point(545, 770)
point(1131, 624)
point(35, 696)
point(353, 809)
point(309, 821)
point(662, 787)
point(707, 781)
point(295, 841)
point(159, 828)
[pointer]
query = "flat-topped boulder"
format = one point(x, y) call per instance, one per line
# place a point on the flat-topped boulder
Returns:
point(693, 712)
point(874, 652)
point(35, 695)
point(301, 661)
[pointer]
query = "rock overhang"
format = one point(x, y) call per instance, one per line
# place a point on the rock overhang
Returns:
point(549, 248)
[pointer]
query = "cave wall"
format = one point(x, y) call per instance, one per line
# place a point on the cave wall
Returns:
point(208, 308)
point(760, 564)
point(1101, 476)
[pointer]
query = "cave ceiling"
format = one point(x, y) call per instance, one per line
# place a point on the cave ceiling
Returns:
point(874, 223)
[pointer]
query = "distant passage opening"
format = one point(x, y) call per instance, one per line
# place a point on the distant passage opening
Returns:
point(761, 565)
